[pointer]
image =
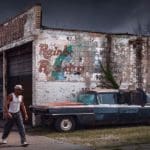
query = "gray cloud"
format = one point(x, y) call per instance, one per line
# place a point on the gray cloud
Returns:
point(94, 15)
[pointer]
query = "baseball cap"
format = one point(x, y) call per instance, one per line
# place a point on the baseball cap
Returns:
point(18, 87)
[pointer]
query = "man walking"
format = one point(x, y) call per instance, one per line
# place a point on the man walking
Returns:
point(13, 107)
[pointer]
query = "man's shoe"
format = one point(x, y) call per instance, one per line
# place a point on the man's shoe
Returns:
point(24, 144)
point(4, 141)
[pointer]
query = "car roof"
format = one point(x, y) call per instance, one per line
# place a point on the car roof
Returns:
point(100, 90)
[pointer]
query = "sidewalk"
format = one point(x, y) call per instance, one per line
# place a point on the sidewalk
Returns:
point(38, 143)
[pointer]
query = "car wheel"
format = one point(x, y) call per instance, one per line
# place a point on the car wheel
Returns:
point(65, 124)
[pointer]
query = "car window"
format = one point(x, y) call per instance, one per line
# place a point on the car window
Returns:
point(88, 99)
point(123, 98)
point(107, 98)
point(148, 97)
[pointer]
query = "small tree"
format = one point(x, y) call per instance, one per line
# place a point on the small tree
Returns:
point(108, 75)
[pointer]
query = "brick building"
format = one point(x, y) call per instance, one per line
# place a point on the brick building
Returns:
point(56, 64)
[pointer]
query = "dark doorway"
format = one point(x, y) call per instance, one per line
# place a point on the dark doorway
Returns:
point(19, 71)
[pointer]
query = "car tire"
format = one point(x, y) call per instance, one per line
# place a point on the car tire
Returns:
point(65, 124)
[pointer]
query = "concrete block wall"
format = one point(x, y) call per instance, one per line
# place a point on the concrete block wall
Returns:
point(66, 63)
point(69, 61)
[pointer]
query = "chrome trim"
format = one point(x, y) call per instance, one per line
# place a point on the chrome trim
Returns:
point(66, 114)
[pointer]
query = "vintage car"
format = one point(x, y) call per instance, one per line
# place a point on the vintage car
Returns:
point(95, 107)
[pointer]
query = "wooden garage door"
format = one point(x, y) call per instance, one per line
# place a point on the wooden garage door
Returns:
point(1, 80)
point(19, 71)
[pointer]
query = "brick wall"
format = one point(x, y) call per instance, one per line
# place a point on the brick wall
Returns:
point(20, 26)
point(69, 61)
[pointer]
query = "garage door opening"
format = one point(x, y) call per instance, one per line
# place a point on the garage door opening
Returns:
point(19, 71)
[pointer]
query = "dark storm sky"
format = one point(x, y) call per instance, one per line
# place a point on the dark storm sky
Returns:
point(94, 15)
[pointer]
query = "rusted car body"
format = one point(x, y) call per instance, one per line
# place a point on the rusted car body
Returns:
point(94, 107)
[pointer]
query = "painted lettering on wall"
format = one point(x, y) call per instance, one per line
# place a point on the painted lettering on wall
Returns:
point(68, 59)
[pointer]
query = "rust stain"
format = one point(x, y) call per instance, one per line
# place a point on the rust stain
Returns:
point(63, 103)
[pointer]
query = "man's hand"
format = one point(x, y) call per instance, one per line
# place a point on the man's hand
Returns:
point(26, 117)
point(23, 108)
point(7, 115)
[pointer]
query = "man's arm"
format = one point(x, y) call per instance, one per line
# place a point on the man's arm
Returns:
point(23, 108)
point(6, 104)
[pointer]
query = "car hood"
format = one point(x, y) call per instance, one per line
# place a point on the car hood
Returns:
point(64, 103)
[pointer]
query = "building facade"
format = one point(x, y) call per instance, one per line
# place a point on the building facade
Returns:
point(56, 64)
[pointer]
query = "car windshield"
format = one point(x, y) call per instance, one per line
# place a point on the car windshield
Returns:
point(88, 99)
point(107, 98)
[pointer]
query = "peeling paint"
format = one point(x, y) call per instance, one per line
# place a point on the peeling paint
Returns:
point(71, 56)
point(79, 68)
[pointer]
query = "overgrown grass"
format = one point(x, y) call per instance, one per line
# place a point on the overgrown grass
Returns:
point(111, 137)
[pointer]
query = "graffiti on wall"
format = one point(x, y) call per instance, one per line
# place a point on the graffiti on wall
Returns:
point(68, 62)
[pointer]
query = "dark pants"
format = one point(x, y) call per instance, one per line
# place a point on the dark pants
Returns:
point(16, 118)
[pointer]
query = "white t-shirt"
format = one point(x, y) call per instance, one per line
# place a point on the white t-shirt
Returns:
point(14, 105)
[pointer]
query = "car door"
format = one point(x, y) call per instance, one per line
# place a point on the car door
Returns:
point(106, 112)
point(145, 111)
point(145, 114)
point(129, 114)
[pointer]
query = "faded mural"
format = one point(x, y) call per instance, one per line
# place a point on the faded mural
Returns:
point(77, 56)
point(69, 57)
